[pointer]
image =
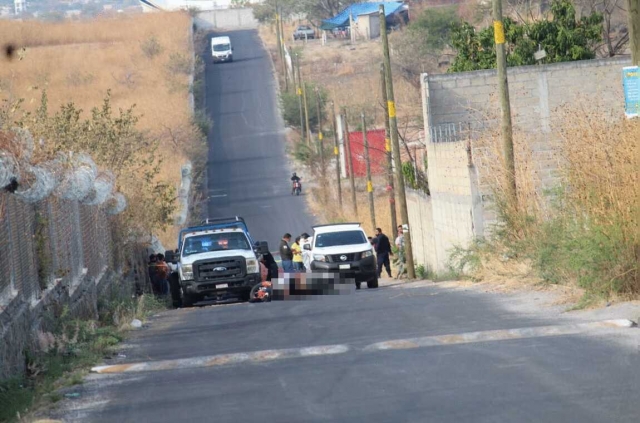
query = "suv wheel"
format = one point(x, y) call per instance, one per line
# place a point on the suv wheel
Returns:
point(373, 283)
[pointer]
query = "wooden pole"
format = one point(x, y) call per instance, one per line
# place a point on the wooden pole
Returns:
point(347, 143)
point(284, 55)
point(336, 152)
point(306, 110)
point(372, 207)
point(387, 147)
point(633, 18)
point(505, 105)
point(299, 93)
point(393, 127)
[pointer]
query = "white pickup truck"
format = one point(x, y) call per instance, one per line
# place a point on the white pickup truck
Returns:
point(218, 257)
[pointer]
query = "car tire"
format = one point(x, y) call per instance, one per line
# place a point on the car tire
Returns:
point(188, 300)
point(174, 287)
point(357, 285)
point(373, 283)
point(245, 295)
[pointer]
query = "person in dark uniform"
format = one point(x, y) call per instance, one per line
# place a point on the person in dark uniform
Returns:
point(383, 251)
point(270, 263)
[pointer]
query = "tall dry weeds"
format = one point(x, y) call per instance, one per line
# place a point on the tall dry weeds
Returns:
point(583, 227)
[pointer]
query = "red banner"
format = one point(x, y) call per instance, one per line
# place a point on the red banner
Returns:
point(377, 153)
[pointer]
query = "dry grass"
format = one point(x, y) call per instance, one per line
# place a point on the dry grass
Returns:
point(350, 73)
point(585, 229)
point(80, 61)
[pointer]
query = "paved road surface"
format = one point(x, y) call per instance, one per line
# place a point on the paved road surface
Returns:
point(395, 354)
point(455, 363)
point(248, 174)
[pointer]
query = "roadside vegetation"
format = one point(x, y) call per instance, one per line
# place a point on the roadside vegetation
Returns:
point(584, 230)
point(126, 72)
point(67, 346)
point(118, 89)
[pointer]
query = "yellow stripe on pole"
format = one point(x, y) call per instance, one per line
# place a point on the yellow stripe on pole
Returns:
point(299, 91)
point(498, 32)
point(391, 105)
point(335, 151)
point(387, 144)
point(369, 186)
point(320, 136)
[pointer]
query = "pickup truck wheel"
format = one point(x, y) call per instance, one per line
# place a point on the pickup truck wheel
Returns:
point(187, 300)
point(245, 295)
point(174, 286)
point(373, 283)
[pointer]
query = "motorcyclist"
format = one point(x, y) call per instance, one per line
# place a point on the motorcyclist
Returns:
point(295, 178)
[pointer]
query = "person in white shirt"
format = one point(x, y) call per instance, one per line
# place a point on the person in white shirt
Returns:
point(307, 257)
point(400, 238)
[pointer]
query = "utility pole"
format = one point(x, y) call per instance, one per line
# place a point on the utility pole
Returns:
point(336, 152)
point(284, 55)
point(299, 93)
point(372, 207)
point(306, 109)
point(393, 128)
point(633, 7)
point(505, 105)
point(387, 148)
point(347, 143)
point(280, 46)
point(320, 134)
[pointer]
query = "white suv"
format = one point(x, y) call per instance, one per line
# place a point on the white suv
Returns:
point(344, 248)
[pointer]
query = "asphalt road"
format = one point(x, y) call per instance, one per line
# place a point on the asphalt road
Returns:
point(453, 360)
point(248, 173)
point(402, 353)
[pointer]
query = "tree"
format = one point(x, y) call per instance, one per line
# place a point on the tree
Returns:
point(314, 10)
point(563, 38)
point(291, 108)
point(418, 47)
point(615, 33)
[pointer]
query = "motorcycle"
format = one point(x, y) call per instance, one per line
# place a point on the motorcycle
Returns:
point(261, 293)
point(297, 188)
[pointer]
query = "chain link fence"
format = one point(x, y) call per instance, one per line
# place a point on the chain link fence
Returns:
point(50, 242)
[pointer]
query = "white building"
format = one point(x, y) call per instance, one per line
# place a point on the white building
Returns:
point(20, 6)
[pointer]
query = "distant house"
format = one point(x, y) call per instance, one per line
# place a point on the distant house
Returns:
point(362, 20)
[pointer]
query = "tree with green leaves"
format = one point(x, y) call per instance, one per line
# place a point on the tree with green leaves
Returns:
point(563, 37)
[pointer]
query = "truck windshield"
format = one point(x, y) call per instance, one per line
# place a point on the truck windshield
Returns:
point(221, 47)
point(215, 242)
point(331, 239)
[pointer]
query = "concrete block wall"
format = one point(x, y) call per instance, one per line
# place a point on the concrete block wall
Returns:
point(460, 194)
point(421, 228)
point(226, 19)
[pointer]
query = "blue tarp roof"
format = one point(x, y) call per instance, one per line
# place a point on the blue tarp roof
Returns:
point(342, 18)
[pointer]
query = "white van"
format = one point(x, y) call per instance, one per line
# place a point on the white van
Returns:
point(221, 50)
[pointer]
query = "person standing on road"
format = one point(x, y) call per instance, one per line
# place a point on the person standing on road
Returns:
point(400, 238)
point(153, 261)
point(297, 256)
point(162, 274)
point(383, 251)
point(306, 254)
point(286, 254)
